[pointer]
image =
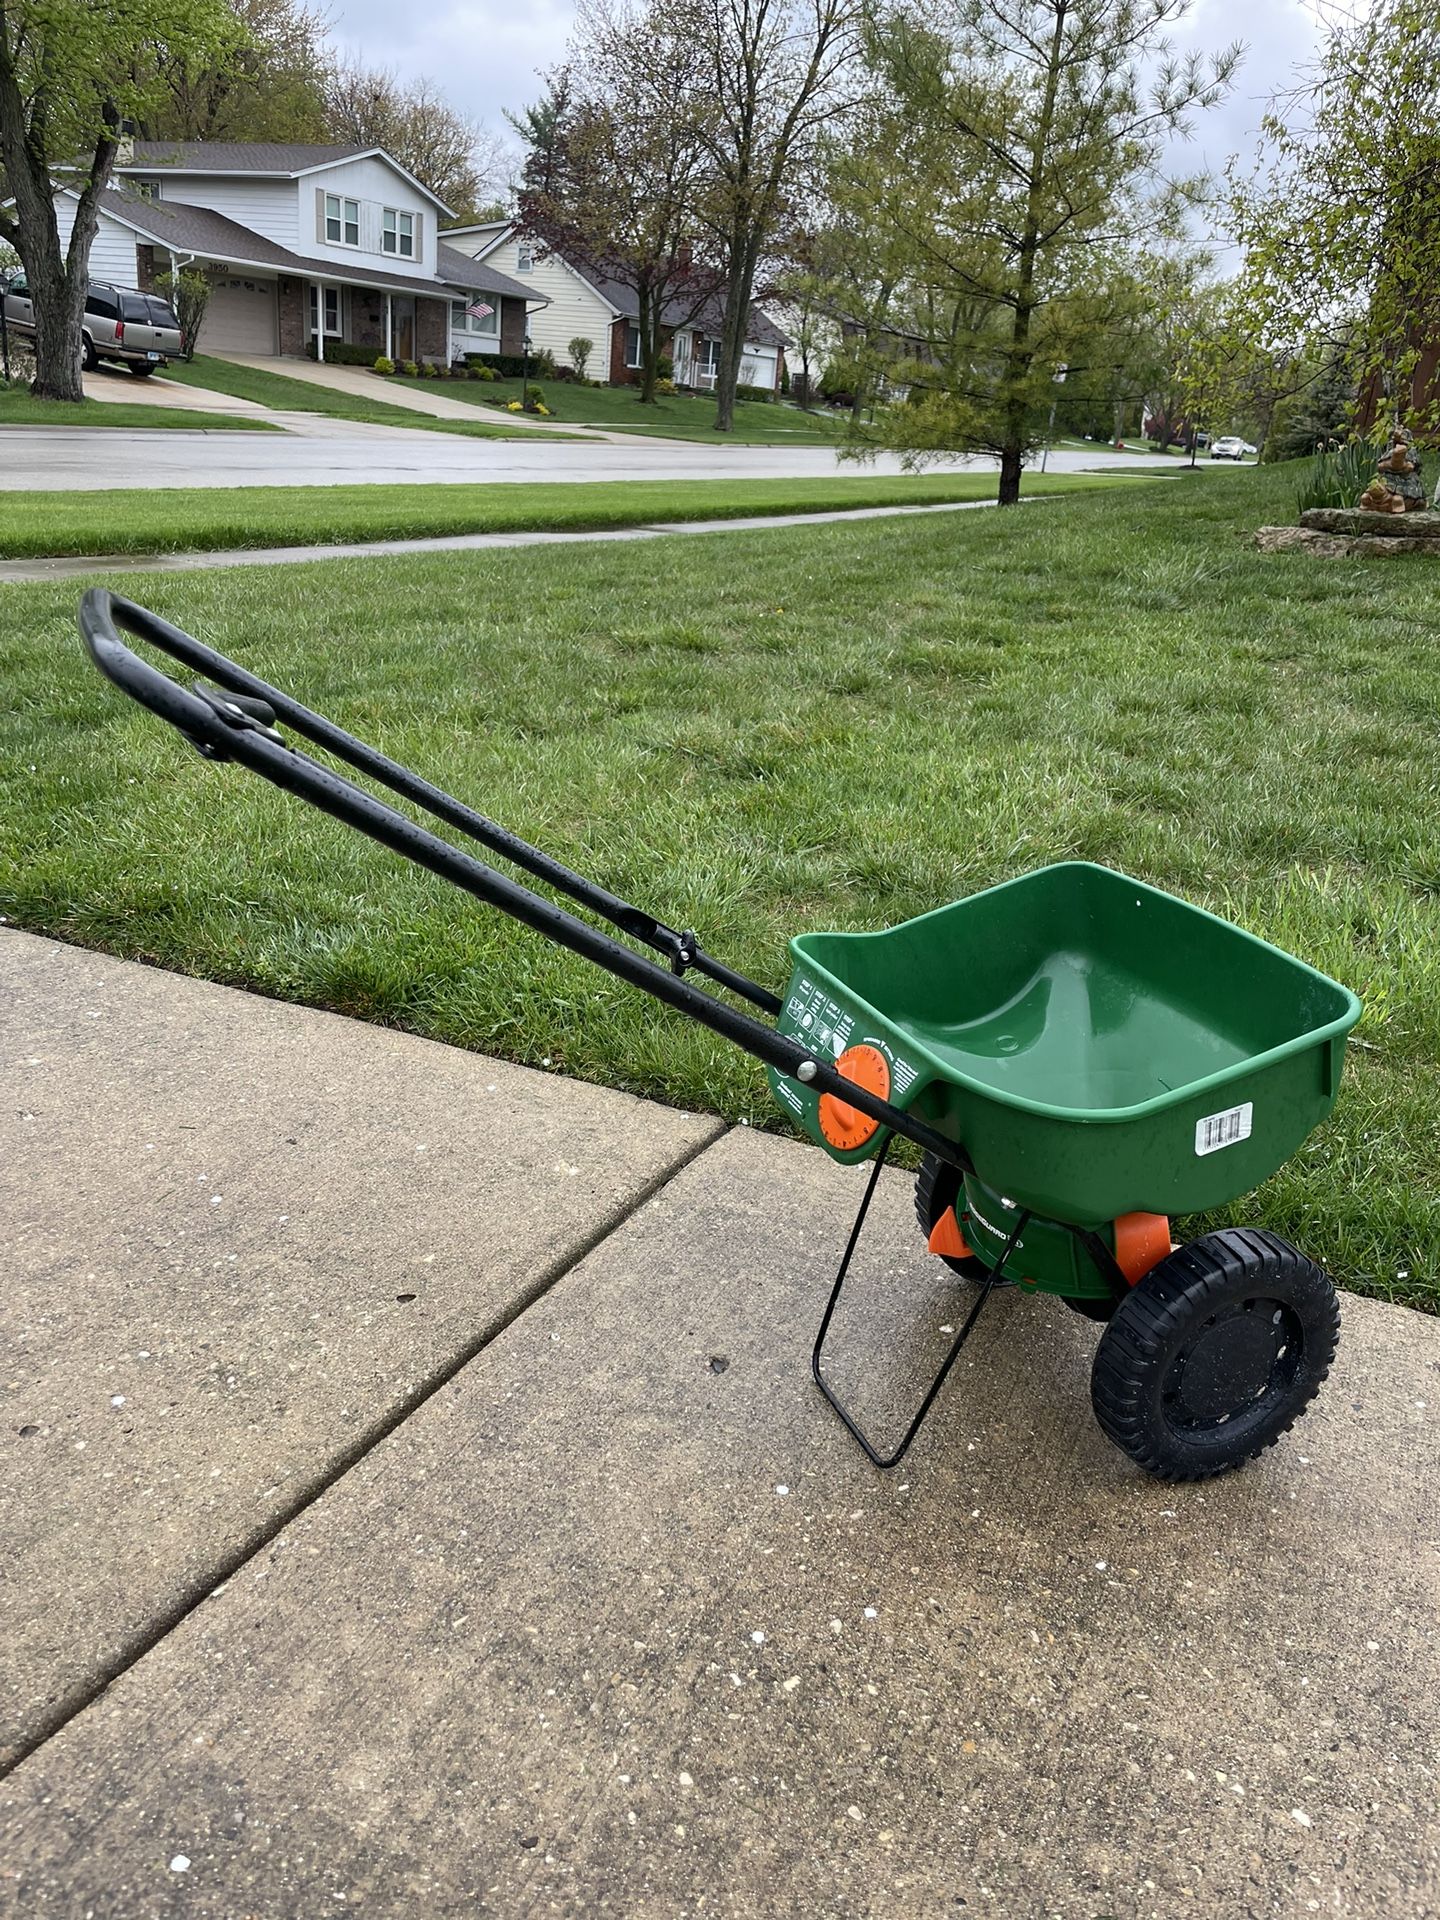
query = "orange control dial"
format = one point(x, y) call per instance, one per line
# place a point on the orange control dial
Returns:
point(844, 1126)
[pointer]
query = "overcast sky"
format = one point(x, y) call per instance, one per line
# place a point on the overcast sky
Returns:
point(485, 54)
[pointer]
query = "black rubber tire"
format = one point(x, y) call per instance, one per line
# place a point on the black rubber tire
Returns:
point(89, 359)
point(1272, 1368)
point(937, 1186)
point(141, 373)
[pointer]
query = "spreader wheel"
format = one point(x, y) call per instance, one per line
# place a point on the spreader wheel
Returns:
point(937, 1189)
point(1215, 1354)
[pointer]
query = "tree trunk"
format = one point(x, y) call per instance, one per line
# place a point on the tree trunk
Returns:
point(647, 320)
point(1020, 354)
point(58, 281)
point(739, 280)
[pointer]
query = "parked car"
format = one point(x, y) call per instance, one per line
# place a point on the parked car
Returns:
point(1231, 447)
point(134, 329)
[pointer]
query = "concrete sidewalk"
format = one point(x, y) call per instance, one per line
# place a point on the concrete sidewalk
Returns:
point(417, 1504)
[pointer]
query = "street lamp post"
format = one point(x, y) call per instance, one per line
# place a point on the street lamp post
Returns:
point(525, 369)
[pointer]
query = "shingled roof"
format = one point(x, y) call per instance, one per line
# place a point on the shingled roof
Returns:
point(236, 156)
point(201, 232)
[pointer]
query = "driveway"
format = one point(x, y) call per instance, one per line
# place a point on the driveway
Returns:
point(116, 385)
point(344, 453)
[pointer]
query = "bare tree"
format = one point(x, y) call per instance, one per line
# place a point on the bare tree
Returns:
point(775, 74)
point(459, 160)
point(617, 162)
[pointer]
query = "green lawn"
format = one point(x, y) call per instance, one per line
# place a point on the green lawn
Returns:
point(205, 519)
point(835, 726)
point(680, 417)
point(288, 395)
point(23, 410)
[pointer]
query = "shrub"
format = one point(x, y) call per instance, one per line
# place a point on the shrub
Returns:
point(664, 367)
point(382, 365)
point(665, 387)
point(343, 353)
point(430, 371)
point(753, 393)
point(785, 379)
point(580, 350)
point(188, 292)
point(409, 369)
point(534, 398)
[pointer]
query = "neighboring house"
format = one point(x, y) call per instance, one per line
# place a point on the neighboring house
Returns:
point(303, 246)
point(591, 307)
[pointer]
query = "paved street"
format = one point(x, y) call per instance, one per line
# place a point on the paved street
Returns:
point(342, 453)
point(416, 1503)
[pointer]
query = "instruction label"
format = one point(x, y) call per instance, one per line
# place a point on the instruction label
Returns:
point(1225, 1129)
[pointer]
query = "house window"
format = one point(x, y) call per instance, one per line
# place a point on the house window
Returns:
point(397, 233)
point(342, 221)
point(707, 355)
point(463, 320)
point(632, 346)
point(331, 310)
point(146, 189)
point(524, 259)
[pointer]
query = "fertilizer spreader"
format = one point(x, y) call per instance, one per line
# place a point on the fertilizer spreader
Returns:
point(1078, 1056)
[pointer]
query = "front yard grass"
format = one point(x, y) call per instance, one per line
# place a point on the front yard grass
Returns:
point(827, 727)
point(206, 519)
point(18, 409)
point(679, 416)
point(287, 395)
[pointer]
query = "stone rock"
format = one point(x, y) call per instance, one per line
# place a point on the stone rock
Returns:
point(1389, 526)
point(1346, 546)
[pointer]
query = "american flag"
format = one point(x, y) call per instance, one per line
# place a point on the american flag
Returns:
point(479, 311)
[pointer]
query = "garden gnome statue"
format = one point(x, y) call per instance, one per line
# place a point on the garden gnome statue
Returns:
point(1397, 486)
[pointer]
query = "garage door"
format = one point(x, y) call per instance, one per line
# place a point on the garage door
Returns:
point(240, 317)
point(759, 366)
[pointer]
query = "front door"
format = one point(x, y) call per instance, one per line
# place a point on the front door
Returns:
point(402, 320)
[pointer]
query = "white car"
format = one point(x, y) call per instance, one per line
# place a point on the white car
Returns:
point(1231, 447)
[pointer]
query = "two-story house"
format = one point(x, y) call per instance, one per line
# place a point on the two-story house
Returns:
point(586, 306)
point(304, 246)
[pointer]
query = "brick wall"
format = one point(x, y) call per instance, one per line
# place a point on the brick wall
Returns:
point(145, 268)
point(620, 375)
point(294, 317)
point(432, 330)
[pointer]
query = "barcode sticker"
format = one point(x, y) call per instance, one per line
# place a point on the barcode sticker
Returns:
point(1226, 1129)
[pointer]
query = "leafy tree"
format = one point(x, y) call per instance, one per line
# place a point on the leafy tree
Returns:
point(1340, 222)
point(271, 85)
point(71, 74)
point(1034, 134)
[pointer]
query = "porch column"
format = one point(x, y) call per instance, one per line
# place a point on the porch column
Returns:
point(389, 330)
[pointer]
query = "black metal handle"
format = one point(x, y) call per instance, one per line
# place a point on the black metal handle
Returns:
point(224, 730)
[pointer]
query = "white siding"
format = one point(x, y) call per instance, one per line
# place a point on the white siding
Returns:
point(270, 207)
point(376, 186)
point(575, 310)
point(112, 252)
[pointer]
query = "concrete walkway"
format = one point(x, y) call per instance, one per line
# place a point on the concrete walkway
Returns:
point(69, 567)
point(364, 385)
point(416, 1503)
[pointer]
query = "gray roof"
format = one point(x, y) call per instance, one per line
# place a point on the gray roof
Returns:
point(461, 271)
point(705, 311)
point(201, 231)
point(186, 229)
point(234, 156)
